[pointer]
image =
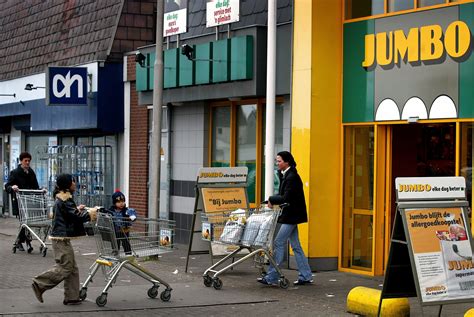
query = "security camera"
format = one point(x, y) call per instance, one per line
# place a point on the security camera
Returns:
point(188, 51)
point(140, 59)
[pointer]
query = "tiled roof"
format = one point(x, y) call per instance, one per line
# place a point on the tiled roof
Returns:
point(36, 33)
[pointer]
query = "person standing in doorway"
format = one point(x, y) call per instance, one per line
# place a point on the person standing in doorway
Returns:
point(22, 177)
point(291, 193)
point(68, 223)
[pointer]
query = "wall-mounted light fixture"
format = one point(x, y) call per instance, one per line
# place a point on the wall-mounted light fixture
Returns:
point(140, 60)
point(413, 119)
point(8, 95)
point(31, 87)
point(189, 52)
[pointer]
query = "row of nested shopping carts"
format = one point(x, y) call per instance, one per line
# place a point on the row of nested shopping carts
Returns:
point(120, 242)
point(248, 233)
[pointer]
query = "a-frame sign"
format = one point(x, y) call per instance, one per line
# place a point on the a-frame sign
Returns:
point(431, 246)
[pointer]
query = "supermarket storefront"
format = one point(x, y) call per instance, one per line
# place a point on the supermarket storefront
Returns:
point(404, 106)
point(407, 111)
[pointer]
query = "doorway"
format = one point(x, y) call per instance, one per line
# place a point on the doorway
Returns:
point(421, 150)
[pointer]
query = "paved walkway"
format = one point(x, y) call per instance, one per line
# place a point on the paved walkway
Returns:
point(241, 294)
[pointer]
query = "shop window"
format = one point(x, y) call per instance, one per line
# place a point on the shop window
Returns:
point(400, 5)
point(237, 137)
point(357, 242)
point(363, 8)
point(427, 3)
point(220, 156)
point(246, 144)
point(466, 159)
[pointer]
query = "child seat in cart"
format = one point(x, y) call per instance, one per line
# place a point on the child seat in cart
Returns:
point(120, 242)
point(251, 231)
point(34, 215)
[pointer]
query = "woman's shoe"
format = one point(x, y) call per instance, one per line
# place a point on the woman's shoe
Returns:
point(72, 302)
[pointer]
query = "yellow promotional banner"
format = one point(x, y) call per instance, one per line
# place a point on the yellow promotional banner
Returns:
point(442, 253)
point(224, 199)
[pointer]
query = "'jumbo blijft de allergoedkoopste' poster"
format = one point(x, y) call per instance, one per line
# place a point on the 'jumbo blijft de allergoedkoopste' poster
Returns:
point(442, 253)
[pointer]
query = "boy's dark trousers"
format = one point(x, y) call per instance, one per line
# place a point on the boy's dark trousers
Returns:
point(122, 238)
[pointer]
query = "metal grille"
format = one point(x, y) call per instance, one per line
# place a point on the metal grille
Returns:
point(91, 167)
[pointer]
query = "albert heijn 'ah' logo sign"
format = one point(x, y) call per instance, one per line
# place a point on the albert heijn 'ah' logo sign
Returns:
point(66, 86)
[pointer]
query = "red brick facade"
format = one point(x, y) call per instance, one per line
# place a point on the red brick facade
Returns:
point(138, 165)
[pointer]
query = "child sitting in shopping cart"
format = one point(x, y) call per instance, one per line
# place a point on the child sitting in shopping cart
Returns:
point(123, 218)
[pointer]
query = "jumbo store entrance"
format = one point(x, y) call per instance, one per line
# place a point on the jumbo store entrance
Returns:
point(374, 155)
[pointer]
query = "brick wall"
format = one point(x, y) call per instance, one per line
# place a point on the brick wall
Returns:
point(135, 28)
point(138, 165)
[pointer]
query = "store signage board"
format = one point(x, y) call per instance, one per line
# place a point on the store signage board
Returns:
point(218, 189)
point(431, 247)
point(430, 188)
point(441, 250)
point(219, 12)
point(223, 199)
point(222, 175)
point(66, 86)
point(175, 22)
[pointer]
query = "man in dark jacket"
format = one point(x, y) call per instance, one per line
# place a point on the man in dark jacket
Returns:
point(22, 177)
point(290, 193)
point(68, 223)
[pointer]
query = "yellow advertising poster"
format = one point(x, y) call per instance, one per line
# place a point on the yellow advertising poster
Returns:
point(224, 199)
point(442, 253)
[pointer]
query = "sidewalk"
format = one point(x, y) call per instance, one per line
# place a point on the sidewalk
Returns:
point(241, 294)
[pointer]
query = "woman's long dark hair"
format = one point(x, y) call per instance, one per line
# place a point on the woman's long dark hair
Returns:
point(287, 157)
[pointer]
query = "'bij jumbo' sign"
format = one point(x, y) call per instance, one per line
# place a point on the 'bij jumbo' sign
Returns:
point(425, 43)
point(66, 86)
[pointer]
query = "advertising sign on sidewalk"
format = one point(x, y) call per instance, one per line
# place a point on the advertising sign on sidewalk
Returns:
point(442, 253)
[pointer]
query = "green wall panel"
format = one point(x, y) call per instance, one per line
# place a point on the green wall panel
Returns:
point(170, 74)
point(151, 70)
point(203, 68)
point(466, 69)
point(142, 74)
point(221, 57)
point(186, 71)
point(358, 89)
point(241, 61)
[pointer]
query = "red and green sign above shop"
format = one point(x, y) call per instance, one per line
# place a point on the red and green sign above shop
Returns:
point(412, 65)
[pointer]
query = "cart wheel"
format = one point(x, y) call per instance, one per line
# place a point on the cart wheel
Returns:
point(45, 250)
point(165, 295)
point(217, 283)
point(284, 283)
point(14, 249)
point(207, 281)
point(153, 292)
point(83, 293)
point(101, 300)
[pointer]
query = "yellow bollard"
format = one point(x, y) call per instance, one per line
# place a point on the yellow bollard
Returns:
point(469, 313)
point(365, 301)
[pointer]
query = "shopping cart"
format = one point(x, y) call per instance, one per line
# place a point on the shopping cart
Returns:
point(250, 231)
point(34, 215)
point(120, 242)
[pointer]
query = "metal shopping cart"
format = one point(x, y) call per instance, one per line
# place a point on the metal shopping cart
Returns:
point(250, 231)
point(120, 242)
point(34, 216)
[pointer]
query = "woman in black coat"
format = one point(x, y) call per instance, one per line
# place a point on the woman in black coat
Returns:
point(291, 193)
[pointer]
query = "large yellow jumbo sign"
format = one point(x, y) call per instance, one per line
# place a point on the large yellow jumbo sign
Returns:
point(426, 43)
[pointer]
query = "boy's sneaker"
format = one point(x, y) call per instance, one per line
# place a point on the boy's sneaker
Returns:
point(72, 302)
